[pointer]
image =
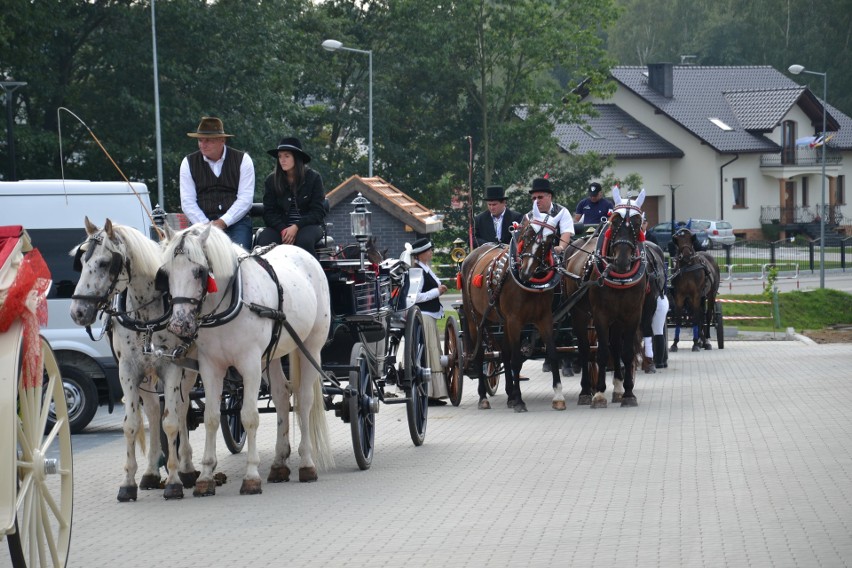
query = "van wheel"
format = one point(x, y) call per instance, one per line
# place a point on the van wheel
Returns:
point(82, 397)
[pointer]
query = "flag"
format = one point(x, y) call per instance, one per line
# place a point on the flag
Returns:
point(821, 139)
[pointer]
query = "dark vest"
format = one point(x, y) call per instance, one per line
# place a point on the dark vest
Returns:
point(429, 283)
point(215, 195)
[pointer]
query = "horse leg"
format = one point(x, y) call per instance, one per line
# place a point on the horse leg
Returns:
point(598, 398)
point(513, 361)
point(181, 473)
point(628, 358)
point(706, 316)
point(677, 314)
point(151, 406)
point(616, 353)
point(580, 324)
point(279, 389)
point(212, 376)
point(250, 369)
point(133, 430)
point(558, 402)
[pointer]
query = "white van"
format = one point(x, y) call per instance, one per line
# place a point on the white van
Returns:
point(52, 212)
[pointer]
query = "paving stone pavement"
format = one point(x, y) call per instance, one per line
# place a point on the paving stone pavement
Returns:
point(734, 457)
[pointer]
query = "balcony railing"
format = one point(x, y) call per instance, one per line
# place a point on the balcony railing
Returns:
point(799, 215)
point(800, 156)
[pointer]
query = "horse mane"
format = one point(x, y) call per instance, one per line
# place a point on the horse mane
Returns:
point(144, 254)
point(218, 253)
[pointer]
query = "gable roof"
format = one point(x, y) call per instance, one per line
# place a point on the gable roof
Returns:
point(750, 100)
point(612, 132)
point(382, 194)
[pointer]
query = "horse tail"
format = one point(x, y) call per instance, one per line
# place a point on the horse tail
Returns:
point(320, 437)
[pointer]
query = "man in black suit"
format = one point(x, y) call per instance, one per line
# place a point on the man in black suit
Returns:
point(495, 224)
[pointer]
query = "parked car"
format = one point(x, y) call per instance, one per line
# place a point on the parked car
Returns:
point(663, 235)
point(52, 212)
point(721, 233)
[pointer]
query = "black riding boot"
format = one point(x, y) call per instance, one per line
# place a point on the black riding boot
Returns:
point(661, 352)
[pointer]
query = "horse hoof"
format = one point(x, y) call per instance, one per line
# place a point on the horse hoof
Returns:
point(127, 493)
point(149, 481)
point(204, 488)
point(558, 405)
point(567, 372)
point(484, 404)
point(511, 403)
point(173, 491)
point(307, 474)
point(695, 348)
point(629, 401)
point(707, 346)
point(251, 487)
point(617, 396)
point(599, 403)
point(584, 400)
point(278, 473)
point(188, 478)
point(520, 407)
point(673, 349)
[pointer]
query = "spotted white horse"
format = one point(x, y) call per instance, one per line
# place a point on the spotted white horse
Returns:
point(228, 304)
point(118, 266)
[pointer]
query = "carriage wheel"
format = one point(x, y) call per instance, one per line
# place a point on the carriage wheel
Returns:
point(453, 351)
point(416, 358)
point(231, 423)
point(491, 374)
point(720, 325)
point(45, 473)
point(362, 409)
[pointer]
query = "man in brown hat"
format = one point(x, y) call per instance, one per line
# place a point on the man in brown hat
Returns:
point(495, 224)
point(217, 183)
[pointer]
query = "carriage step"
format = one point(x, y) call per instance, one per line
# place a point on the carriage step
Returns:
point(396, 400)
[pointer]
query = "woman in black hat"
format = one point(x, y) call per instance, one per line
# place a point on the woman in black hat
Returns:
point(428, 299)
point(293, 197)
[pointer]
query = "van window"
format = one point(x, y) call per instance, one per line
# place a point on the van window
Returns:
point(54, 245)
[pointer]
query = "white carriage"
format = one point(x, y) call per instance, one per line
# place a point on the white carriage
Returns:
point(36, 471)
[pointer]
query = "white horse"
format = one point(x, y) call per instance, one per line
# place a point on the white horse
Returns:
point(232, 320)
point(118, 266)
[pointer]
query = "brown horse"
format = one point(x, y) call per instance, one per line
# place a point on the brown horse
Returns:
point(512, 286)
point(610, 269)
point(695, 284)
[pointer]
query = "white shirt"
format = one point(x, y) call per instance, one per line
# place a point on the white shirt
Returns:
point(245, 191)
point(429, 294)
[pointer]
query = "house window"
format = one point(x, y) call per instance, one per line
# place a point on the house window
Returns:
point(840, 189)
point(788, 142)
point(805, 197)
point(739, 193)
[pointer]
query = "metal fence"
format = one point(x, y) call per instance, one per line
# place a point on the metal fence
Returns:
point(752, 260)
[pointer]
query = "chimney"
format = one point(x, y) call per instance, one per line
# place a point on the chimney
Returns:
point(660, 78)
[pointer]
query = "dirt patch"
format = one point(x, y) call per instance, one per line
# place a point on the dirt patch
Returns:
point(839, 334)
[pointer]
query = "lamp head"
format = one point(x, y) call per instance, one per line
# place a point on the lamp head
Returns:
point(331, 45)
point(795, 69)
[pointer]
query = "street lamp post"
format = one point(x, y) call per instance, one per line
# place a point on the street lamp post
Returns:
point(9, 88)
point(334, 45)
point(795, 70)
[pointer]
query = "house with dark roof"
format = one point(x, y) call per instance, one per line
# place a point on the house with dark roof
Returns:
point(733, 143)
point(397, 218)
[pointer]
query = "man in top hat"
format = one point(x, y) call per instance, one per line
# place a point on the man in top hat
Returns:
point(593, 208)
point(542, 196)
point(217, 183)
point(495, 224)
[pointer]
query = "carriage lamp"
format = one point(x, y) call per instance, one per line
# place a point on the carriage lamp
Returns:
point(362, 220)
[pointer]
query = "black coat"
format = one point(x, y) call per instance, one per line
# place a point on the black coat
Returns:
point(309, 200)
point(483, 227)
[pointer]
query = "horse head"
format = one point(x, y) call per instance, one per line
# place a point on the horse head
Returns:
point(104, 270)
point(192, 257)
point(534, 244)
point(623, 231)
point(683, 240)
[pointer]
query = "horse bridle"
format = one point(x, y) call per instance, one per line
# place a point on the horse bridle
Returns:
point(686, 252)
point(544, 266)
point(117, 263)
point(631, 242)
